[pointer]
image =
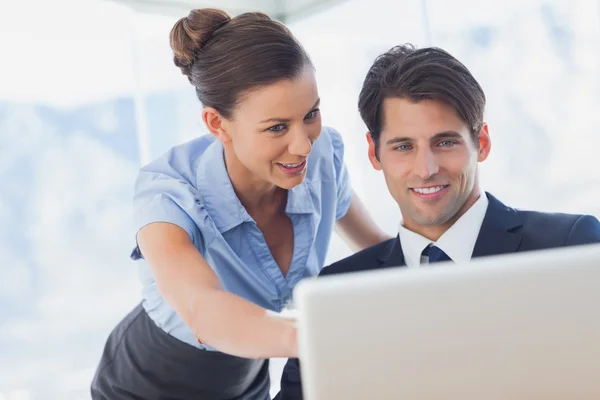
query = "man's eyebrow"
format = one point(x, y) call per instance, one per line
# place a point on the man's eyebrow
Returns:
point(446, 135)
point(437, 136)
point(399, 140)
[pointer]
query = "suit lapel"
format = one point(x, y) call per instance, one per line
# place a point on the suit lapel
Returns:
point(498, 235)
point(498, 232)
point(392, 255)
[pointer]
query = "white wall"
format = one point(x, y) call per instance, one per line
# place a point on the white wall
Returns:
point(69, 143)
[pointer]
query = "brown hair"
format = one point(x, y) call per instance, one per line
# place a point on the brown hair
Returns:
point(225, 57)
point(424, 74)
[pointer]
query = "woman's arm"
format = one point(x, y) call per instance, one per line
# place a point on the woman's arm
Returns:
point(357, 228)
point(219, 319)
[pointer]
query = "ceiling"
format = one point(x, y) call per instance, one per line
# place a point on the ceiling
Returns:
point(283, 10)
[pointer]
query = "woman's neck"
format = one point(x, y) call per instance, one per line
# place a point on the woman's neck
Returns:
point(256, 195)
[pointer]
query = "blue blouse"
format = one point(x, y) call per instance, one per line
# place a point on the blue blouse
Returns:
point(189, 186)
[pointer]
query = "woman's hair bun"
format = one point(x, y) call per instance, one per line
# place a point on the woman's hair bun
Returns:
point(191, 33)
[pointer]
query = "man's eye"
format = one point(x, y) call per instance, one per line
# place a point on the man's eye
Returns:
point(447, 143)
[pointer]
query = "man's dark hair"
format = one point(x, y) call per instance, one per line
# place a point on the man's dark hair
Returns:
point(420, 74)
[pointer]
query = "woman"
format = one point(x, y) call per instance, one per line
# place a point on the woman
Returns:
point(229, 223)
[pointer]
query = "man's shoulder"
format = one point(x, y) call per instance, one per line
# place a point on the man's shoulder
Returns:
point(551, 229)
point(366, 259)
point(539, 220)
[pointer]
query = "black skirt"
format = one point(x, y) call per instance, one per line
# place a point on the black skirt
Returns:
point(141, 361)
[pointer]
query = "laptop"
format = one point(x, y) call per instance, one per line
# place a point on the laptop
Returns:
point(517, 326)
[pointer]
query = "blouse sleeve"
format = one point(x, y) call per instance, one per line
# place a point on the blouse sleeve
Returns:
point(344, 188)
point(161, 195)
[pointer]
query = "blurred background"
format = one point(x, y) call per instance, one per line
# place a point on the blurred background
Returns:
point(89, 93)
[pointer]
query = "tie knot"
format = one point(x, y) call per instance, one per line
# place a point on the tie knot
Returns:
point(435, 254)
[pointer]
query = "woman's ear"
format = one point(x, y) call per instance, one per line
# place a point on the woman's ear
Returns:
point(216, 124)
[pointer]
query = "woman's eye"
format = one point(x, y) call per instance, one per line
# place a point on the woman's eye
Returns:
point(277, 128)
point(312, 114)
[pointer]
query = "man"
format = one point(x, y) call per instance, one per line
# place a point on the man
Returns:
point(424, 111)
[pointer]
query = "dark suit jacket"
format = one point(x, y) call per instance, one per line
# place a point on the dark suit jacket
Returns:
point(504, 230)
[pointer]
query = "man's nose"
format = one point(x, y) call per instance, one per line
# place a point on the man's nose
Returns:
point(426, 164)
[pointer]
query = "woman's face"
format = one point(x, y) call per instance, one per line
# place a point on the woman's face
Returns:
point(272, 129)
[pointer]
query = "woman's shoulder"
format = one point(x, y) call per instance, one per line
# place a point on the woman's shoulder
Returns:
point(181, 161)
point(326, 155)
point(334, 138)
point(328, 144)
point(166, 190)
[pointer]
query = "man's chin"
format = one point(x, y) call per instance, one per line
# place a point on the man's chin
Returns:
point(430, 218)
point(433, 221)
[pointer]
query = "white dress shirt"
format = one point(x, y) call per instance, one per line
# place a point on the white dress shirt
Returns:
point(457, 242)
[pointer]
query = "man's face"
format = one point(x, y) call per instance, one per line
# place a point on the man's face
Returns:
point(429, 161)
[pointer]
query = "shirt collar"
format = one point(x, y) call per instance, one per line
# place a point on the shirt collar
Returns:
point(457, 242)
point(220, 200)
point(413, 245)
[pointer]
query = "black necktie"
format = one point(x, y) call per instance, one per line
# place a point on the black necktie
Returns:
point(435, 254)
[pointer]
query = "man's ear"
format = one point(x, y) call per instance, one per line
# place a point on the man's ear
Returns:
point(373, 152)
point(485, 143)
point(216, 124)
